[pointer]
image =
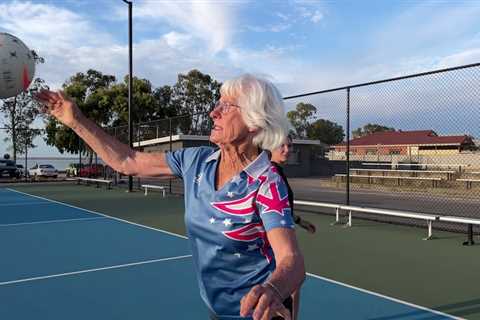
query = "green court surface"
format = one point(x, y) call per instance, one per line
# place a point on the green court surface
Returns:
point(390, 260)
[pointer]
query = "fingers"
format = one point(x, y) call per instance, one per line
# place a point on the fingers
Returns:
point(263, 310)
point(50, 100)
point(264, 305)
point(283, 312)
point(249, 301)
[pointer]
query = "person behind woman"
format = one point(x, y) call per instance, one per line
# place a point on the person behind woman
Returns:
point(279, 157)
point(238, 217)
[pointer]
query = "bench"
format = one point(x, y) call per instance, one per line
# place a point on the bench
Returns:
point(402, 214)
point(107, 183)
point(449, 174)
point(398, 178)
point(323, 205)
point(153, 186)
point(469, 221)
point(468, 182)
point(424, 165)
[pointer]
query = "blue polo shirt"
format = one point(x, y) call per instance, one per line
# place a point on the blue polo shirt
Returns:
point(227, 227)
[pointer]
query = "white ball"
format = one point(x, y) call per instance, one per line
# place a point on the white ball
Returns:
point(17, 66)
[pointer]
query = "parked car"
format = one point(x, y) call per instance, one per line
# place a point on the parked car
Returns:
point(91, 171)
point(8, 167)
point(21, 170)
point(43, 170)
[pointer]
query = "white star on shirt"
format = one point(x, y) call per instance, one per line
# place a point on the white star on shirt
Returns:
point(248, 220)
point(227, 222)
point(283, 222)
point(212, 220)
point(252, 247)
point(230, 194)
point(199, 178)
point(238, 255)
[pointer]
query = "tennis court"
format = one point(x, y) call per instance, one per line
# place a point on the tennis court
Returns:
point(76, 252)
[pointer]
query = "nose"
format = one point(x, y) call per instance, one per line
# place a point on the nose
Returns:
point(215, 114)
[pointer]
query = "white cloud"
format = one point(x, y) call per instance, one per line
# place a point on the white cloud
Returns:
point(316, 16)
point(465, 57)
point(212, 22)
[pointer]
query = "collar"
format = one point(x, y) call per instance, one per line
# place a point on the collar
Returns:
point(254, 168)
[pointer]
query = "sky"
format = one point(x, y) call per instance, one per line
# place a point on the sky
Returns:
point(301, 46)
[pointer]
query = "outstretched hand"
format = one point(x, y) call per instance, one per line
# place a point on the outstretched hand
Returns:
point(59, 106)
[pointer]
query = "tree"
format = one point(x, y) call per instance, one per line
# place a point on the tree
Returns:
point(301, 117)
point(91, 92)
point(19, 113)
point(370, 128)
point(146, 102)
point(326, 131)
point(195, 94)
point(21, 110)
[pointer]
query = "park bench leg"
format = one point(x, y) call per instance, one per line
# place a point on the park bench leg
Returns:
point(337, 217)
point(146, 190)
point(430, 236)
point(349, 223)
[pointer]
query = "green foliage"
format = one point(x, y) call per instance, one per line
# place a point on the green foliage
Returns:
point(301, 117)
point(19, 113)
point(306, 127)
point(104, 101)
point(195, 93)
point(370, 128)
point(91, 92)
point(326, 131)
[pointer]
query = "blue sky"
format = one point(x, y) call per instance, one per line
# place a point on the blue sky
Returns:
point(301, 46)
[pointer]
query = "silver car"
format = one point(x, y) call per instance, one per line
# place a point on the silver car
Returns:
point(43, 170)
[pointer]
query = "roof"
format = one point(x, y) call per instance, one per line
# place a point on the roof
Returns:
point(418, 137)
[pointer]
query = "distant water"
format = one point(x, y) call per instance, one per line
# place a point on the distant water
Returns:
point(58, 163)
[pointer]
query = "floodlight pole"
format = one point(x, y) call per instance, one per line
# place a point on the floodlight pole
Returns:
point(130, 80)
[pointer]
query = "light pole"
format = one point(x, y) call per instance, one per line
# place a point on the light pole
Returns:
point(130, 79)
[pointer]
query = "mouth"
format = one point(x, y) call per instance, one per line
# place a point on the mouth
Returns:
point(216, 128)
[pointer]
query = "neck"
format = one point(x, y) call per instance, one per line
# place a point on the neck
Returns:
point(234, 158)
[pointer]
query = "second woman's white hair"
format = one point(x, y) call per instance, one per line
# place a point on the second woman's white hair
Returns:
point(262, 108)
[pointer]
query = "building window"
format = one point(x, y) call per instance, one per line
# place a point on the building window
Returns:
point(393, 152)
point(371, 151)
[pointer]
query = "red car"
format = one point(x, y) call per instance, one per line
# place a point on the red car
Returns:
point(92, 170)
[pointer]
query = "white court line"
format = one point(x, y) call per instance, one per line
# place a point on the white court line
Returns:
point(11, 204)
point(385, 297)
point(101, 214)
point(310, 274)
point(92, 270)
point(49, 221)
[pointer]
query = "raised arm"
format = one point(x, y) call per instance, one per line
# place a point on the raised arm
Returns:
point(117, 155)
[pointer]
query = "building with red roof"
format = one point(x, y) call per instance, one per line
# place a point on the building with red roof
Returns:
point(407, 143)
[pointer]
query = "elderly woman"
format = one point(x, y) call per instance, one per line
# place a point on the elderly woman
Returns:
point(238, 216)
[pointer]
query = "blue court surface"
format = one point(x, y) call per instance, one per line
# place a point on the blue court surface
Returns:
point(63, 262)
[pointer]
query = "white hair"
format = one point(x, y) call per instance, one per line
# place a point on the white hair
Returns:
point(261, 107)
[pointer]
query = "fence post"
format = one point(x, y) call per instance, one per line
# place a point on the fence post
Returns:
point(170, 147)
point(347, 200)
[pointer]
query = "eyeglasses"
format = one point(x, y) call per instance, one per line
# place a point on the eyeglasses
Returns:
point(224, 107)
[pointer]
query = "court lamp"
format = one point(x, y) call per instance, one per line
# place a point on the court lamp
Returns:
point(130, 79)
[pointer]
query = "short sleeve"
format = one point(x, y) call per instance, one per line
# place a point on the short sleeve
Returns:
point(181, 160)
point(273, 205)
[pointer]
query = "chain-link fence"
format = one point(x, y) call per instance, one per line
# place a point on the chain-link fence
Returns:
point(411, 143)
